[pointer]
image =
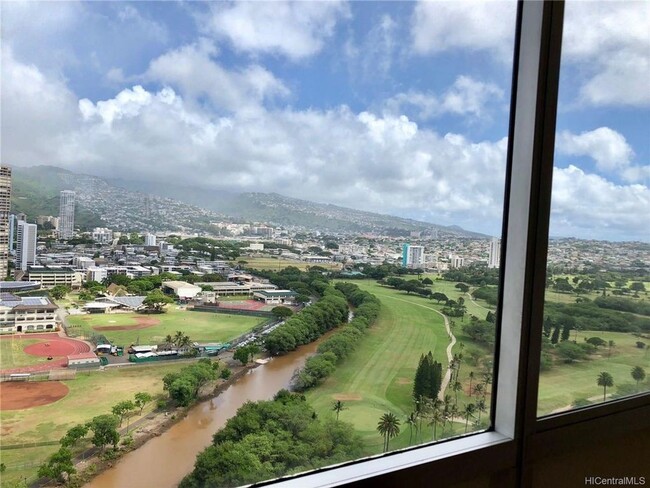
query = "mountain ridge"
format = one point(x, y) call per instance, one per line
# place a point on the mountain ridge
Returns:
point(202, 206)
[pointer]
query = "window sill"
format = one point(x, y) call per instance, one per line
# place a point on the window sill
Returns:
point(479, 453)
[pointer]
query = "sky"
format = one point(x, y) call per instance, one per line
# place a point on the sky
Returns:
point(393, 107)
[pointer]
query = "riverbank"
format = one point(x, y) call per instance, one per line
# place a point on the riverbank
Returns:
point(92, 462)
point(173, 448)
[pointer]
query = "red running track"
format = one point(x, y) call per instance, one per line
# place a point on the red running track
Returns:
point(59, 348)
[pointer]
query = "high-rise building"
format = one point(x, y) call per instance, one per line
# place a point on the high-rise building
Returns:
point(25, 245)
point(412, 256)
point(5, 207)
point(150, 239)
point(495, 253)
point(66, 214)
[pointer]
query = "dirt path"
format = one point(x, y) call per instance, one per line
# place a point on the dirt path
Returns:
point(452, 337)
point(471, 299)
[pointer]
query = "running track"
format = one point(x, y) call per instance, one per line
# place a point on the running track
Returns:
point(58, 361)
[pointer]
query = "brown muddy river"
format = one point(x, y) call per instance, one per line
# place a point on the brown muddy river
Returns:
point(163, 461)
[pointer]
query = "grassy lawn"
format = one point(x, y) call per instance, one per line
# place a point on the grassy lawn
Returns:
point(200, 326)
point(273, 263)
point(12, 355)
point(91, 394)
point(378, 377)
point(565, 383)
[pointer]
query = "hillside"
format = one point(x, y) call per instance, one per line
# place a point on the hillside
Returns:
point(37, 193)
point(136, 205)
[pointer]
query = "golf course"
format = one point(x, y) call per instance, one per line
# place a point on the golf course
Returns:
point(378, 377)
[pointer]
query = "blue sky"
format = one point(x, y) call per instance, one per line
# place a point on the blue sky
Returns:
point(395, 107)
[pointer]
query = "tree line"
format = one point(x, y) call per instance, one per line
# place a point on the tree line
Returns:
point(308, 324)
point(340, 345)
point(268, 439)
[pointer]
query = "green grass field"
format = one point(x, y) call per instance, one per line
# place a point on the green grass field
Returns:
point(276, 264)
point(378, 377)
point(12, 355)
point(200, 326)
point(565, 383)
point(91, 394)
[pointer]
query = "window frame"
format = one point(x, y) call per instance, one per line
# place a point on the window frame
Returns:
point(517, 438)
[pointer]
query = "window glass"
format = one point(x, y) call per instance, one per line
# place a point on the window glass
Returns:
point(302, 196)
point(596, 330)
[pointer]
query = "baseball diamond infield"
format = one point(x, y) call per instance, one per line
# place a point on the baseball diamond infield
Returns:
point(24, 394)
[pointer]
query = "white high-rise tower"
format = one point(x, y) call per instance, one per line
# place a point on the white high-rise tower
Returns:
point(66, 214)
point(495, 253)
point(5, 206)
point(25, 245)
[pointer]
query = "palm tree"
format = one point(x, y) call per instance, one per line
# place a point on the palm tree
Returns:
point(457, 386)
point(338, 406)
point(468, 412)
point(605, 379)
point(638, 374)
point(481, 407)
point(435, 418)
point(471, 377)
point(609, 349)
point(412, 420)
point(388, 427)
point(479, 389)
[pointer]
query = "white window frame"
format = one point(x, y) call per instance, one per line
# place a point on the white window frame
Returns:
point(518, 437)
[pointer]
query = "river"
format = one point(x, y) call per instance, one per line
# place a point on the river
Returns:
point(164, 460)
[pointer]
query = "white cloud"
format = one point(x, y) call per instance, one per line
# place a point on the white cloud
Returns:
point(296, 30)
point(588, 205)
point(381, 163)
point(609, 41)
point(607, 147)
point(467, 97)
point(36, 112)
point(472, 25)
point(372, 57)
point(192, 69)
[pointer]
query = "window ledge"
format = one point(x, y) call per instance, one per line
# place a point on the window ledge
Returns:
point(479, 453)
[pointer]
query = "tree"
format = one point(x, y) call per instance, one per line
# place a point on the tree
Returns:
point(435, 415)
point(281, 312)
point(412, 420)
point(338, 406)
point(638, 374)
point(59, 291)
point(481, 407)
point(104, 429)
point(123, 409)
point(439, 297)
point(57, 465)
point(156, 301)
point(637, 286)
point(471, 377)
point(427, 281)
point(556, 335)
point(388, 427)
point(141, 399)
point(242, 354)
point(468, 412)
point(605, 380)
point(73, 435)
point(462, 287)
